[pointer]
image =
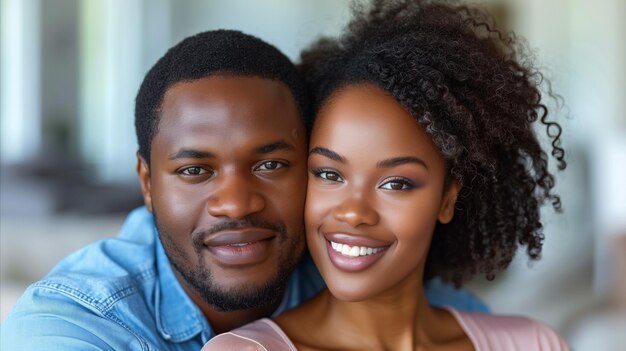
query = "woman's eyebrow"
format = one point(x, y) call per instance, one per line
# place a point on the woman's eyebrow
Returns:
point(396, 161)
point(327, 153)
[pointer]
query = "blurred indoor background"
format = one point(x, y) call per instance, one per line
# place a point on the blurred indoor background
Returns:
point(71, 69)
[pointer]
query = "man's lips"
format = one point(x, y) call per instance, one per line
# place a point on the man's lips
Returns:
point(240, 247)
point(238, 236)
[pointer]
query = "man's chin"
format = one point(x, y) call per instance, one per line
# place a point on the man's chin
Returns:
point(247, 297)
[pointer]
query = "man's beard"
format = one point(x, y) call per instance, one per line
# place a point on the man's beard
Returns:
point(245, 296)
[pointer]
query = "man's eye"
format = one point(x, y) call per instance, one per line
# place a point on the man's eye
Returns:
point(193, 171)
point(328, 175)
point(397, 184)
point(269, 166)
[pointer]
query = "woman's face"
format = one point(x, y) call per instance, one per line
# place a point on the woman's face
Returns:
point(375, 193)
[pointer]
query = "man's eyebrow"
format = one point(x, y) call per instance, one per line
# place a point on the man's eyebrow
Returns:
point(396, 161)
point(327, 153)
point(191, 153)
point(279, 145)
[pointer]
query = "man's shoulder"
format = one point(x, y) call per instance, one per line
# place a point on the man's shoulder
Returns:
point(110, 266)
point(94, 286)
point(59, 309)
point(95, 273)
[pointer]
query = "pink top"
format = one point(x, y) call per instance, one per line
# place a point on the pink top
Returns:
point(487, 332)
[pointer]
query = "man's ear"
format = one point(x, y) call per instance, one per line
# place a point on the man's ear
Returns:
point(446, 212)
point(143, 171)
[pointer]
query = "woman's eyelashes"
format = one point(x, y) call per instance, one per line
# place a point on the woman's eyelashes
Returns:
point(394, 183)
point(398, 183)
point(327, 174)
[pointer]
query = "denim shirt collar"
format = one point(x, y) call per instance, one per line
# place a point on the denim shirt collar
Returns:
point(177, 317)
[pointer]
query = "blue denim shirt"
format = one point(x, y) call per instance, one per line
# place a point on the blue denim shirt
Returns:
point(121, 294)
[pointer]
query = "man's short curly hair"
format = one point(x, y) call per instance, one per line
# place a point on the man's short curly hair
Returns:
point(474, 90)
point(211, 53)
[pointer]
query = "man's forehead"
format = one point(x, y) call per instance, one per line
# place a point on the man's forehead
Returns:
point(228, 129)
point(224, 115)
point(227, 85)
point(250, 96)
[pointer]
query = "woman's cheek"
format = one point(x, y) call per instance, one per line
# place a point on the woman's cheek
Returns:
point(312, 209)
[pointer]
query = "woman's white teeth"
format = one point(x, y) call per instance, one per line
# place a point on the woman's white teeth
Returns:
point(355, 251)
point(239, 244)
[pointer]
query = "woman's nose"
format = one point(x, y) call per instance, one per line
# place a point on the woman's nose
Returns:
point(356, 210)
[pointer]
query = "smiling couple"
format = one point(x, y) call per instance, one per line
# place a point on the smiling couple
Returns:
point(225, 163)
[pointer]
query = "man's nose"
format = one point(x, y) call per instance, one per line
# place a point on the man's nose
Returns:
point(356, 210)
point(234, 197)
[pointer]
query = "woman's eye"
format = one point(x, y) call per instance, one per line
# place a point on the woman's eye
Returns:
point(329, 175)
point(397, 184)
point(270, 166)
point(193, 171)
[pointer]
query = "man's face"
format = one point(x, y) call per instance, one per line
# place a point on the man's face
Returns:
point(226, 183)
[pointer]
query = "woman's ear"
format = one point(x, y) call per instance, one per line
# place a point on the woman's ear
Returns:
point(446, 212)
point(143, 171)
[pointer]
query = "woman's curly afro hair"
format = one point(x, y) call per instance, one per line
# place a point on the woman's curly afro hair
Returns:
point(474, 90)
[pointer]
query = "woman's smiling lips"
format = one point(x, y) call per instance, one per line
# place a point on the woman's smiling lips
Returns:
point(353, 253)
point(245, 246)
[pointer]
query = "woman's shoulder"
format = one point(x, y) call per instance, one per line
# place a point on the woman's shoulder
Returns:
point(260, 335)
point(493, 332)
